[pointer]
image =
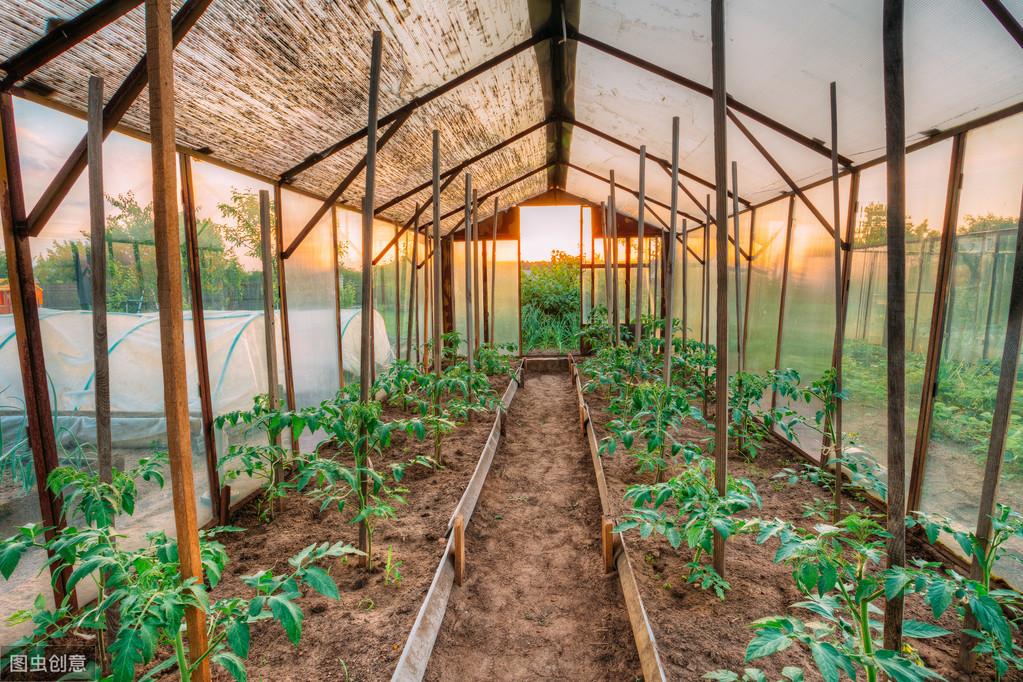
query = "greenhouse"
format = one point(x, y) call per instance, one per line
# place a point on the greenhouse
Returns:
point(386, 340)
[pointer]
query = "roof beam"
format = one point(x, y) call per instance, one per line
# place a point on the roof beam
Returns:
point(329, 202)
point(62, 38)
point(629, 190)
point(497, 190)
point(117, 106)
point(448, 176)
point(408, 108)
point(778, 127)
point(1006, 19)
point(663, 163)
point(781, 171)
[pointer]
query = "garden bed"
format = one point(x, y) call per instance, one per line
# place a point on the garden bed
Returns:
point(360, 636)
point(695, 631)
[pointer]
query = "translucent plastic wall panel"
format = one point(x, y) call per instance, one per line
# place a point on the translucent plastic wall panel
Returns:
point(309, 276)
point(588, 274)
point(506, 303)
point(694, 285)
point(864, 352)
point(386, 279)
point(61, 255)
point(769, 225)
point(231, 269)
point(988, 211)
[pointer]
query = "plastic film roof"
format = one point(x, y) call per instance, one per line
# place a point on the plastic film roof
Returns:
point(263, 85)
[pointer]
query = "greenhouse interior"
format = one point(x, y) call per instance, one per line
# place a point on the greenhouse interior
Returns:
point(384, 340)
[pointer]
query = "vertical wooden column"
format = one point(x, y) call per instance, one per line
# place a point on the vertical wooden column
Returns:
point(721, 212)
point(895, 322)
point(160, 67)
point(628, 282)
point(282, 288)
point(518, 261)
point(397, 292)
point(999, 430)
point(98, 266)
point(199, 333)
point(836, 424)
point(467, 235)
point(739, 350)
point(447, 281)
point(783, 296)
point(269, 323)
point(582, 269)
point(474, 253)
point(749, 278)
point(338, 328)
point(605, 232)
point(641, 219)
point(366, 351)
point(25, 311)
point(613, 209)
point(485, 295)
point(413, 294)
point(493, 274)
point(438, 329)
point(669, 263)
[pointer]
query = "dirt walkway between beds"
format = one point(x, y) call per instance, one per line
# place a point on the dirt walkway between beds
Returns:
point(536, 603)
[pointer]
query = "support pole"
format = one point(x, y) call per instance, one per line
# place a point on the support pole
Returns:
point(397, 296)
point(895, 134)
point(685, 282)
point(641, 213)
point(25, 313)
point(738, 268)
point(160, 68)
point(606, 212)
point(467, 234)
point(613, 208)
point(485, 270)
point(413, 296)
point(669, 262)
point(721, 213)
point(999, 430)
point(493, 274)
point(473, 252)
point(437, 250)
point(836, 425)
point(365, 354)
point(199, 334)
point(98, 265)
point(269, 322)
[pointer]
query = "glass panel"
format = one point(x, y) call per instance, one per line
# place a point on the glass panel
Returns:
point(968, 377)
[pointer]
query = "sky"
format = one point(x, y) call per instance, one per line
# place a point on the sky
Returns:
point(548, 228)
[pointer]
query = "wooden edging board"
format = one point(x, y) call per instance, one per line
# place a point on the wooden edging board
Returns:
point(646, 644)
point(415, 657)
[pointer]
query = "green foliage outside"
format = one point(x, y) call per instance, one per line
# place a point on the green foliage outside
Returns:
point(550, 304)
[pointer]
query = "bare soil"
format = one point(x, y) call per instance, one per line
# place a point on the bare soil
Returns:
point(536, 603)
point(359, 637)
point(695, 631)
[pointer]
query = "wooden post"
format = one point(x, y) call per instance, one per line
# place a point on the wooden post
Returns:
point(784, 290)
point(685, 282)
point(721, 180)
point(613, 208)
point(493, 275)
point(437, 246)
point(25, 312)
point(749, 278)
point(485, 295)
point(628, 281)
point(639, 245)
point(413, 294)
point(397, 295)
point(199, 333)
point(269, 322)
point(98, 265)
point(999, 430)
point(607, 544)
point(895, 134)
point(669, 263)
point(836, 424)
point(738, 268)
point(467, 234)
point(473, 251)
point(606, 212)
point(366, 351)
point(160, 67)
point(458, 548)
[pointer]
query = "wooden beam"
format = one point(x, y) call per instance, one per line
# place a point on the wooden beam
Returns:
point(640, 224)
point(836, 490)
point(62, 38)
point(313, 159)
point(266, 242)
point(721, 218)
point(895, 319)
point(1006, 19)
point(669, 262)
point(345, 183)
point(199, 331)
point(663, 163)
point(781, 171)
point(25, 313)
point(633, 192)
point(498, 190)
point(113, 112)
point(160, 71)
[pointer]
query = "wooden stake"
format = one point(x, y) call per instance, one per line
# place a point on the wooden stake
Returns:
point(413, 295)
point(160, 68)
point(999, 430)
point(458, 548)
point(437, 250)
point(721, 180)
point(669, 263)
point(836, 425)
point(637, 334)
point(467, 234)
point(738, 268)
point(269, 321)
point(895, 134)
point(474, 252)
point(493, 275)
point(613, 208)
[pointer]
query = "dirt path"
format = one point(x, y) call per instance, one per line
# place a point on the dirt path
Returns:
point(536, 603)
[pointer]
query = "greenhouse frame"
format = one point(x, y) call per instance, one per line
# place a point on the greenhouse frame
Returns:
point(209, 202)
